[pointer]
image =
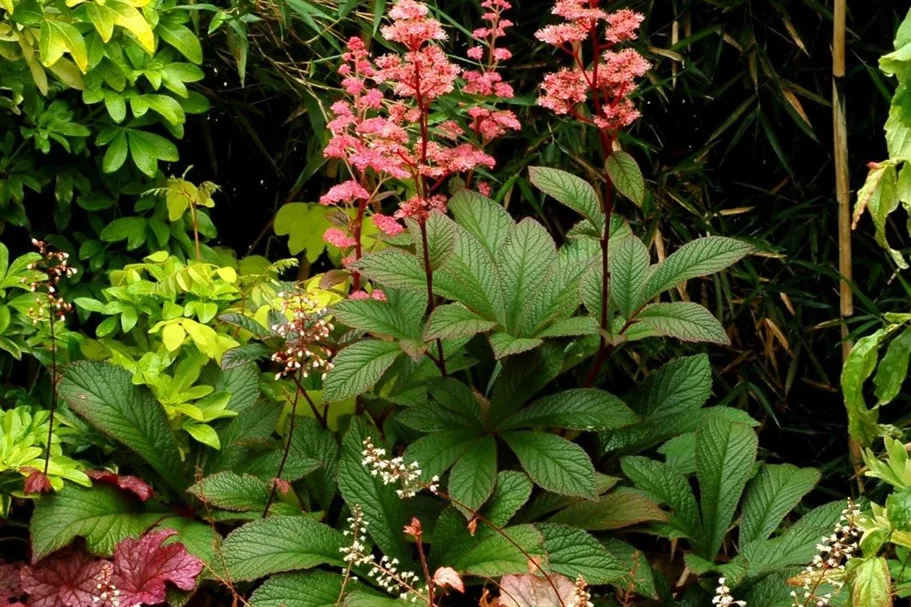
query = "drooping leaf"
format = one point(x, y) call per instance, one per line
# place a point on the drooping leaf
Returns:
point(770, 496)
point(358, 367)
point(106, 397)
point(553, 462)
point(685, 320)
point(382, 317)
point(103, 515)
point(574, 192)
point(474, 475)
point(859, 365)
point(394, 269)
point(578, 409)
point(231, 491)
point(893, 368)
point(281, 543)
point(573, 552)
point(871, 583)
point(725, 453)
point(620, 508)
point(626, 176)
point(699, 257)
point(496, 555)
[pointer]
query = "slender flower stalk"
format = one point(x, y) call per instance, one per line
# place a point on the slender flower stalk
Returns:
point(596, 90)
point(50, 307)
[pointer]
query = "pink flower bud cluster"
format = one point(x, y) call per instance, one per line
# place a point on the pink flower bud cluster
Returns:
point(609, 77)
point(55, 266)
point(304, 334)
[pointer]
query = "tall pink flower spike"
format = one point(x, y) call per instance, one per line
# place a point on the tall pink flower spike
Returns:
point(381, 139)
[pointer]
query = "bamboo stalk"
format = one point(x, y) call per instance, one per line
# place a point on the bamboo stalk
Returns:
point(843, 195)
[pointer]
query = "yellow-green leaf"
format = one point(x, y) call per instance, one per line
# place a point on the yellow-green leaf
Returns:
point(132, 20)
point(57, 38)
point(173, 336)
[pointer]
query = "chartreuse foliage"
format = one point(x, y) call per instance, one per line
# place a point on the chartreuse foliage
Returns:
point(884, 356)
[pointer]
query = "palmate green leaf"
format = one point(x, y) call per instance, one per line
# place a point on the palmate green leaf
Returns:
point(394, 269)
point(496, 555)
point(383, 510)
point(684, 320)
point(700, 257)
point(559, 296)
point(438, 451)
point(893, 368)
point(523, 261)
point(553, 462)
point(102, 514)
point(573, 552)
point(871, 583)
point(572, 191)
point(859, 365)
point(579, 409)
point(441, 238)
point(308, 589)
point(626, 176)
point(770, 496)
point(725, 453)
point(389, 318)
point(628, 269)
point(474, 475)
point(231, 491)
point(621, 508)
point(470, 277)
point(521, 378)
point(794, 547)
point(455, 320)
point(358, 367)
point(504, 344)
point(278, 544)
point(105, 396)
point(667, 486)
point(509, 495)
point(483, 218)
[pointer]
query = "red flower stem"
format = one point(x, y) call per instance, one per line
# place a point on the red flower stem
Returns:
point(426, 569)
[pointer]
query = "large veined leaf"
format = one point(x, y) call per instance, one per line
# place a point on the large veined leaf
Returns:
point(573, 552)
point(770, 496)
point(509, 495)
point(580, 409)
point(438, 451)
point(58, 37)
point(668, 486)
point(487, 221)
point(553, 462)
point(382, 317)
point(572, 191)
point(626, 176)
point(524, 260)
point(700, 257)
point(504, 344)
point(394, 269)
point(474, 475)
point(281, 543)
point(470, 277)
point(455, 320)
point(103, 515)
point(358, 367)
point(685, 320)
point(496, 555)
point(307, 589)
point(620, 508)
point(105, 396)
point(725, 453)
point(559, 296)
point(628, 268)
point(382, 508)
point(231, 491)
point(441, 236)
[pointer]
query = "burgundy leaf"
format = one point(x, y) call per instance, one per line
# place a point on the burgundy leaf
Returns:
point(37, 481)
point(142, 489)
point(10, 589)
point(67, 578)
point(143, 567)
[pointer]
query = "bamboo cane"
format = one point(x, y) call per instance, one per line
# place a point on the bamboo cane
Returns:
point(843, 195)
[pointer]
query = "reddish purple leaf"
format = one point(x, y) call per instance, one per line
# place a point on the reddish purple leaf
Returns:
point(136, 485)
point(10, 589)
point(37, 481)
point(143, 567)
point(67, 578)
